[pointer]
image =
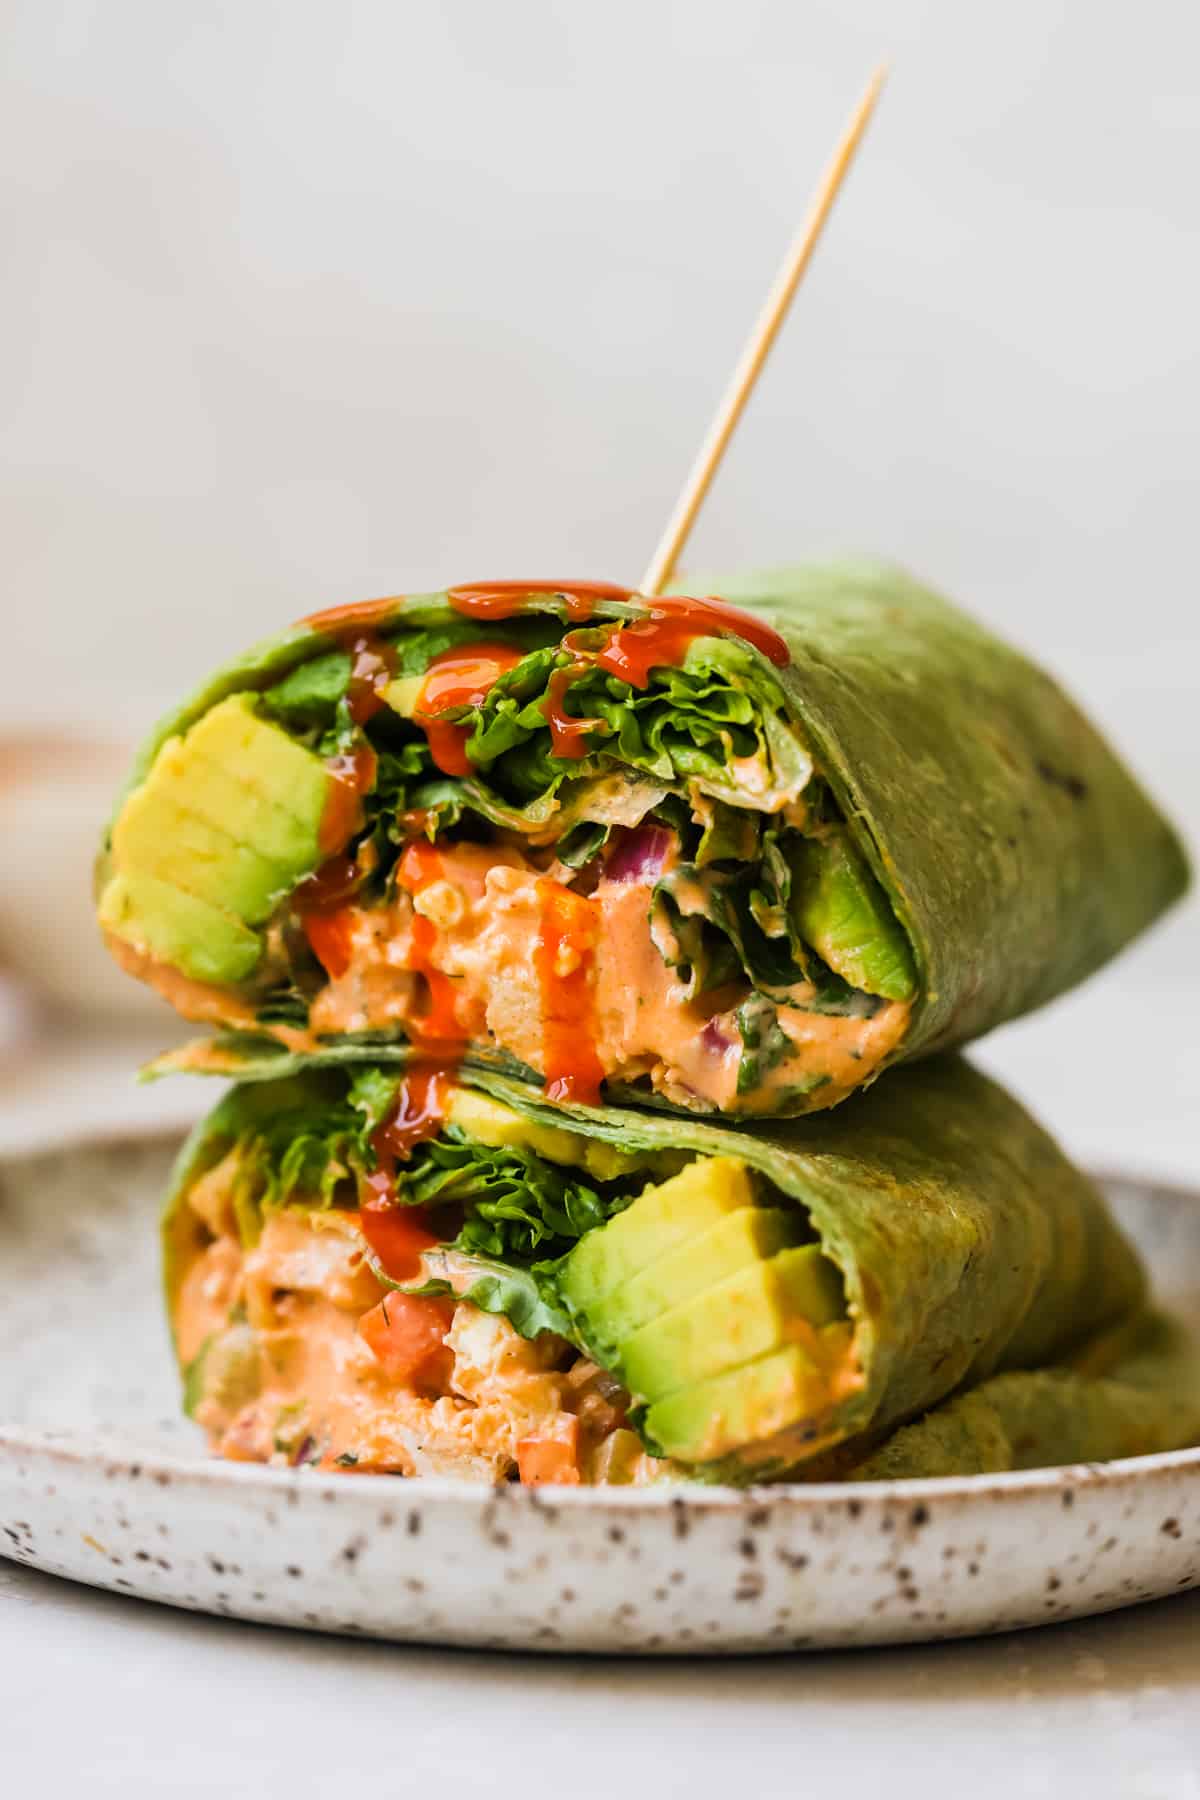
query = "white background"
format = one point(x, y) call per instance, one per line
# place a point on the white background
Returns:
point(308, 302)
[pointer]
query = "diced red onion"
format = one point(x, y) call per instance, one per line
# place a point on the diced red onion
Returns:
point(715, 1038)
point(639, 855)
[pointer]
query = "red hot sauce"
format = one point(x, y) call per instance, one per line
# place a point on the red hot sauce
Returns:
point(357, 615)
point(564, 959)
point(460, 676)
point(504, 599)
point(398, 1234)
point(661, 641)
point(568, 735)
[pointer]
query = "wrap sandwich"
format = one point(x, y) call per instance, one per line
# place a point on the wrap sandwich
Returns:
point(416, 1270)
point(668, 851)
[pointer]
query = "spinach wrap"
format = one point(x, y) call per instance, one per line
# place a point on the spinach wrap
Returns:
point(724, 861)
point(1133, 1395)
point(417, 1270)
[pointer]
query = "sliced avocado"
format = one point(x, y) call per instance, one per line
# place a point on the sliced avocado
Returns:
point(232, 735)
point(226, 823)
point(841, 910)
point(246, 778)
point(745, 1316)
point(661, 1217)
point(742, 1406)
point(750, 1235)
point(403, 694)
point(491, 1122)
point(195, 785)
point(176, 928)
point(153, 836)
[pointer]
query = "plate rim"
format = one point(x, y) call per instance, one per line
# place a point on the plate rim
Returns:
point(79, 1451)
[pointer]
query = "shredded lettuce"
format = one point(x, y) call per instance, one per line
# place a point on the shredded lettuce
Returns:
point(690, 723)
point(516, 1204)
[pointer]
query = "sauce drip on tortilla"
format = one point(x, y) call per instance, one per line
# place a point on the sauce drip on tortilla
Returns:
point(504, 599)
point(354, 614)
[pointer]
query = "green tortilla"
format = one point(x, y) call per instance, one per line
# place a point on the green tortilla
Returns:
point(1145, 1401)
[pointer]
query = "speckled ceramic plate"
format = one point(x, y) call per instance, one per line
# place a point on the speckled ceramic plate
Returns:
point(100, 1480)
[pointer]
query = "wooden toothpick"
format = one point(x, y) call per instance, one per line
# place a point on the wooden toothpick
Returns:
point(759, 346)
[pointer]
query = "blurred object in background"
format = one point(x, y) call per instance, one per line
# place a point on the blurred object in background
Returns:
point(17, 1018)
point(73, 1029)
point(55, 793)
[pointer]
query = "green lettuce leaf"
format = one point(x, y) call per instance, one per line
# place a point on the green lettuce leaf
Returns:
point(692, 723)
point(526, 1297)
point(517, 1205)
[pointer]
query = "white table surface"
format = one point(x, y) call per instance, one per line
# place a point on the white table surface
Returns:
point(146, 1702)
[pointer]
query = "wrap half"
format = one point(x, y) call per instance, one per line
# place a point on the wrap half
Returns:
point(669, 851)
point(430, 1271)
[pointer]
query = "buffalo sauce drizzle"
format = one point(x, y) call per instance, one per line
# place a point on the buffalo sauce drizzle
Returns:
point(568, 734)
point(504, 599)
point(564, 957)
point(399, 1234)
point(356, 616)
point(460, 676)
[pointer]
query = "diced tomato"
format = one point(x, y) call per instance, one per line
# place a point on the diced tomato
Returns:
point(397, 1234)
point(404, 1333)
point(330, 935)
point(551, 1454)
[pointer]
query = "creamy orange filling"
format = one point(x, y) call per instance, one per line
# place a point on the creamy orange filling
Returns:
point(297, 1330)
point(570, 984)
point(198, 1001)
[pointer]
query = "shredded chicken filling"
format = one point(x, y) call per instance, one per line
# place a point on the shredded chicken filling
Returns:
point(294, 1367)
point(482, 913)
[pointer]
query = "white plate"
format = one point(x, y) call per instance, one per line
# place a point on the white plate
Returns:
point(101, 1481)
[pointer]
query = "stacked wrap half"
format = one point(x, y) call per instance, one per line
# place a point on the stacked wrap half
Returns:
point(465, 881)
